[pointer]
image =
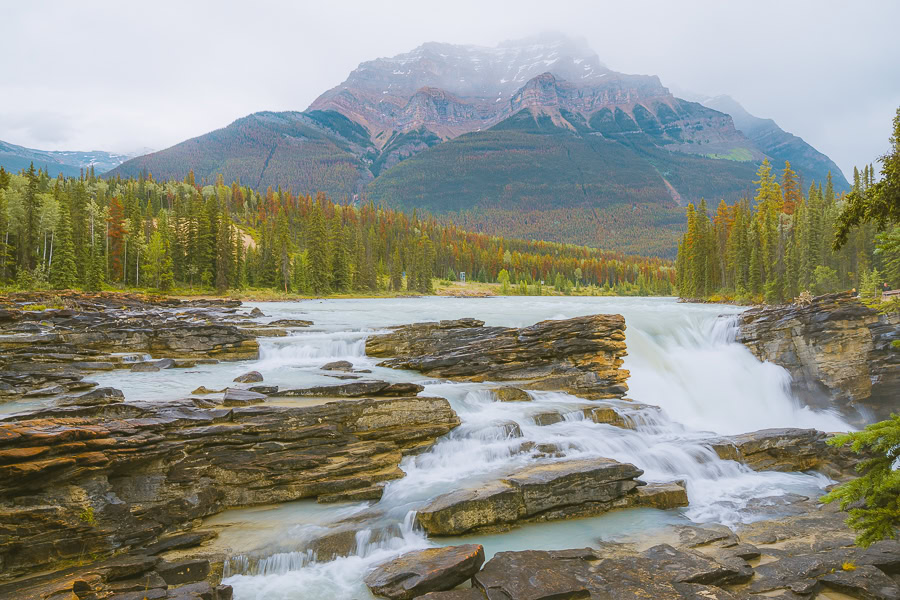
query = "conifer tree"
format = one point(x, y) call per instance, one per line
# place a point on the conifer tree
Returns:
point(790, 189)
point(872, 499)
point(30, 201)
point(224, 257)
point(63, 274)
point(396, 270)
point(319, 256)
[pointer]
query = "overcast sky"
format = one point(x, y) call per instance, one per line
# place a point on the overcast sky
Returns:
point(121, 76)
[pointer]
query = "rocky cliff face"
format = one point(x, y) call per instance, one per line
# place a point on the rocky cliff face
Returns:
point(838, 351)
point(450, 90)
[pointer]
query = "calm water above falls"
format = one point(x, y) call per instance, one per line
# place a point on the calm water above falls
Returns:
point(681, 357)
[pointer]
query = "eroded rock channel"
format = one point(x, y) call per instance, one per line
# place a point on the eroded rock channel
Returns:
point(109, 495)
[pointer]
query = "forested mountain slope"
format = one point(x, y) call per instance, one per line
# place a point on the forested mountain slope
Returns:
point(542, 140)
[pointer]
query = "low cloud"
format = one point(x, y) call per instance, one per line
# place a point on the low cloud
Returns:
point(118, 76)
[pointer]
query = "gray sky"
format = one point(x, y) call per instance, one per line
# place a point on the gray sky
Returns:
point(125, 75)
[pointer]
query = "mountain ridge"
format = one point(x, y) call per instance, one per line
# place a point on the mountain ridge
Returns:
point(68, 162)
point(353, 140)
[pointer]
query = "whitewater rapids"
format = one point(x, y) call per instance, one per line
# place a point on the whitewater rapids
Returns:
point(682, 358)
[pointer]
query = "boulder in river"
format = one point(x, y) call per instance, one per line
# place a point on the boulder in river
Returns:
point(582, 356)
point(250, 377)
point(419, 572)
point(338, 365)
point(511, 394)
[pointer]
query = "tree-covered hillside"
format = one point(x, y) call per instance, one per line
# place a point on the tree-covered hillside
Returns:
point(121, 233)
point(528, 177)
point(315, 151)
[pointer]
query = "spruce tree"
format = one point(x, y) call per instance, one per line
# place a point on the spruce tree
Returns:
point(63, 273)
point(872, 499)
point(396, 270)
point(319, 255)
point(32, 210)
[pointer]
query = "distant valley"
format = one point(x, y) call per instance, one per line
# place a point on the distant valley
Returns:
point(70, 163)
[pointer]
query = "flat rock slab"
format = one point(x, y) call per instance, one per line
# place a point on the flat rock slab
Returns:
point(237, 397)
point(547, 491)
point(435, 569)
point(152, 366)
point(659, 573)
point(355, 389)
point(862, 582)
point(289, 323)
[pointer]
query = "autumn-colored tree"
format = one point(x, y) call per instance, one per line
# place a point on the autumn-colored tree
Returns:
point(116, 234)
point(790, 189)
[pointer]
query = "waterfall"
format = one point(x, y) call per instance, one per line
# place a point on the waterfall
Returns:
point(690, 383)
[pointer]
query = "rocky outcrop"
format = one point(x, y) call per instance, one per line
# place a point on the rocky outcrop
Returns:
point(807, 556)
point(839, 352)
point(128, 577)
point(582, 356)
point(549, 491)
point(431, 570)
point(91, 480)
point(44, 347)
point(787, 450)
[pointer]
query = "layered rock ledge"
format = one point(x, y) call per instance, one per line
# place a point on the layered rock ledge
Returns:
point(46, 351)
point(838, 351)
point(81, 481)
point(548, 491)
point(582, 356)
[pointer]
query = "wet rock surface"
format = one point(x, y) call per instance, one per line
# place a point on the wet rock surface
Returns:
point(53, 347)
point(548, 491)
point(805, 557)
point(417, 573)
point(355, 389)
point(125, 577)
point(581, 355)
point(787, 449)
point(835, 348)
point(91, 480)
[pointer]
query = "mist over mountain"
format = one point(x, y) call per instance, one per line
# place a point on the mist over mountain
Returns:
point(532, 138)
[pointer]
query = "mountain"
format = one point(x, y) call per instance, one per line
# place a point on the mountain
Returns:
point(69, 163)
point(307, 152)
point(533, 138)
point(780, 145)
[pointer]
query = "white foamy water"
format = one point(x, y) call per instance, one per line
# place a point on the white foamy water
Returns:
point(682, 358)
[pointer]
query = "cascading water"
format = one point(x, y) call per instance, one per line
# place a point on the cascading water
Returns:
point(683, 359)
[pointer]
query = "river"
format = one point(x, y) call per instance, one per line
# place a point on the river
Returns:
point(682, 359)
